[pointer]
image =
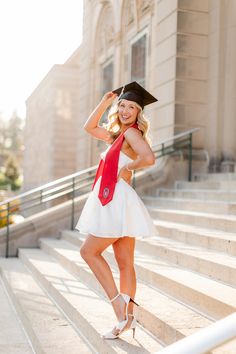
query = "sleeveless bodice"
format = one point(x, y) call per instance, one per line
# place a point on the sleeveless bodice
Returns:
point(123, 158)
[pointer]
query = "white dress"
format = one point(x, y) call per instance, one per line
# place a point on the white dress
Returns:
point(124, 215)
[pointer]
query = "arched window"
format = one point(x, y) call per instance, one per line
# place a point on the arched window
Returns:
point(107, 83)
point(104, 52)
point(135, 38)
point(138, 59)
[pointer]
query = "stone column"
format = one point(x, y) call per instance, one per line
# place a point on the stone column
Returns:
point(191, 69)
point(216, 65)
point(229, 113)
point(221, 124)
point(164, 72)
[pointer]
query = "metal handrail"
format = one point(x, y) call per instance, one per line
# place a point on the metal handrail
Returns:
point(205, 339)
point(50, 184)
point(178, 136)
point(177, 143)
point(71, 186)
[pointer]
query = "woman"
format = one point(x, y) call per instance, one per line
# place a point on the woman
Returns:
point(114, 214)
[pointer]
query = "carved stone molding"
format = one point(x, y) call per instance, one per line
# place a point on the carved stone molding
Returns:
point(131, 8)
point(144, 6)
point(134, 10)
point(129, 14)
point(105, 33)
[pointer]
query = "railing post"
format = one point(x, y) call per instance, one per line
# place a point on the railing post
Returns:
point(8, 231)
point(41, 196)
point(133, 182)
point(190, 149)
point(162, 149)
point(73, 203)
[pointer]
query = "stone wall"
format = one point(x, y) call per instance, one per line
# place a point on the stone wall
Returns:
point(51, 127)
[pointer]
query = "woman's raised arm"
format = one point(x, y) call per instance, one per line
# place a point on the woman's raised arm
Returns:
point(91, 125)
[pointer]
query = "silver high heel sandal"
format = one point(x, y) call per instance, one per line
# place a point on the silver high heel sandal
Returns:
point(120, 327)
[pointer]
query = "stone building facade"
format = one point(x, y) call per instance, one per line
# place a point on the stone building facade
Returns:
point(182, 51)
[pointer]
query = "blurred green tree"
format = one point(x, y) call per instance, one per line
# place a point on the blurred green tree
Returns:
point(14, 133)
point(12, 172)
point(11, 150)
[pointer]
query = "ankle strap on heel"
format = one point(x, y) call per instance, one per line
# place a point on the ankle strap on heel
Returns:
point(128, 299)
point(114, 298)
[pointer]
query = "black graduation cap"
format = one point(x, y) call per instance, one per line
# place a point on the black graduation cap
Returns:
point(135, 92)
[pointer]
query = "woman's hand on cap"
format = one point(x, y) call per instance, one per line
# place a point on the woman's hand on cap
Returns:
point(109, 97)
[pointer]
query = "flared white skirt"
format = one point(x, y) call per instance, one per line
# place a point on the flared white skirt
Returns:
point(125, 215)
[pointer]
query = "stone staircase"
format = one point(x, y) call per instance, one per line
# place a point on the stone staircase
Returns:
point(186, 280)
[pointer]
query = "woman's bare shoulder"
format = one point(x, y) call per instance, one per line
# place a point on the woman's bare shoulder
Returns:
point(132, 133)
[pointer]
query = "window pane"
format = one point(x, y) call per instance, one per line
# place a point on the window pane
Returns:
point(138, 60)
point(107, 85)
point(107, 78)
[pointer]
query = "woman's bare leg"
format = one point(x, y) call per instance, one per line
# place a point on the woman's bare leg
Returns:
point(91, 251)
point(124, 254)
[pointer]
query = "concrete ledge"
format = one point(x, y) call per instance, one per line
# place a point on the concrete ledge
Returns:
point(215, 265)
point(12, 336)
point(208, 185)
point(48, 222)
point(225, 223)
point(207, 206)
point(230, 176)
point(198, 236)
point(198, 194)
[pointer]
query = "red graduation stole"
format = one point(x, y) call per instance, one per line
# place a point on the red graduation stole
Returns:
point(108, 170)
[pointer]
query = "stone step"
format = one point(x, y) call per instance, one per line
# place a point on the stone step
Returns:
point(13, 339)
point(203, 294)
point(225, 223)
point(211, 185)
point(198, 236)
point(89, 312)
point(199, 194)
point(164, 317)
point(48, 329)
point(191, 205)
point(216, 265)
point(228, 176)
point(200, 292)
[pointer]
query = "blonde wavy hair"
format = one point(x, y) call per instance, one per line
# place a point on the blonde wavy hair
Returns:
point(113, 125)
